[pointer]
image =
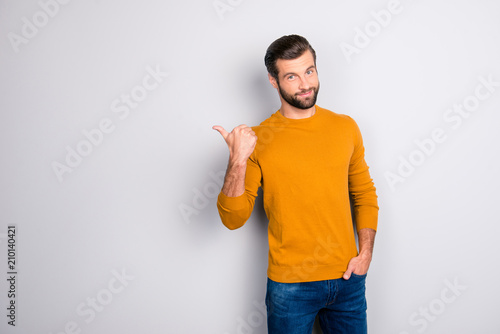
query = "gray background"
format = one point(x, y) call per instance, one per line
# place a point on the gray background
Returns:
point(142, 201)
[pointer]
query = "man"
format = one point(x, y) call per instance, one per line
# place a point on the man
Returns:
point(309, 161)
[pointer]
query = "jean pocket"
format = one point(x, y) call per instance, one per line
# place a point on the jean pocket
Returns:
point(358, 276)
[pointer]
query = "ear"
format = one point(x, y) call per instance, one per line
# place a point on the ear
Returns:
point(272, 80)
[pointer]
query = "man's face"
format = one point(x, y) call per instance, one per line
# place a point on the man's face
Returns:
point(297, 82)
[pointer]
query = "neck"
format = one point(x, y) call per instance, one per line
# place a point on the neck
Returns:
point(295, 113)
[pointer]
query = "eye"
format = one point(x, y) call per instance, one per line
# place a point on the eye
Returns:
point(309, 72)
point(291, 77)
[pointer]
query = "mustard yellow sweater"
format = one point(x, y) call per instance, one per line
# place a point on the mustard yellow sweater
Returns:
point(307, 169)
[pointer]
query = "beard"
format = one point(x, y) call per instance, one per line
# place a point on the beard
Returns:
point(301, 103)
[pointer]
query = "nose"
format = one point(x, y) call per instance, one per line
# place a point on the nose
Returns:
point(304, 84)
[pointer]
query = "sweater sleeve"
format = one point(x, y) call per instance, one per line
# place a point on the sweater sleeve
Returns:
point(361, 187)
point(235, 211)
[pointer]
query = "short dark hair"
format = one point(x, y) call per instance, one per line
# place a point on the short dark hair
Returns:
point(286, 47)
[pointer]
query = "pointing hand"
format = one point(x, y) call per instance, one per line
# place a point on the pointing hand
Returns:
point(241, 142)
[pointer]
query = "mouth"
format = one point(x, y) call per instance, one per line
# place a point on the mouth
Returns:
point(306, 94)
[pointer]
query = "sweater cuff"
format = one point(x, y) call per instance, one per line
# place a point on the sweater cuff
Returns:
point(367, 220)
point(232, 203)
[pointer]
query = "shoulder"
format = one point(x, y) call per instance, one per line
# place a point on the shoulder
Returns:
point(275, 120)
point(340, 119)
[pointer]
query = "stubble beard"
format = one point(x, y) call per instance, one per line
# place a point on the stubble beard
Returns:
point(294, 100)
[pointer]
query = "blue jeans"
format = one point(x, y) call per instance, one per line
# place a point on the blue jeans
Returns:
point(340, 305)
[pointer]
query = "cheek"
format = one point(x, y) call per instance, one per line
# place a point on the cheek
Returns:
point(291, 87)
point(315, 81)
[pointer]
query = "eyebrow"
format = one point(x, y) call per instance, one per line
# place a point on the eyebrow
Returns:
point(290, 73)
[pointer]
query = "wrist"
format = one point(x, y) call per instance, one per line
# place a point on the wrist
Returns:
point(236, 162)
point(365, 254)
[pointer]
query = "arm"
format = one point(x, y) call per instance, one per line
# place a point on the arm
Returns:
point(235, 202)
point(234, 181)
point(365, 207)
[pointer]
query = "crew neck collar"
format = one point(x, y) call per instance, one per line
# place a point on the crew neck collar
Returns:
point(315, 115)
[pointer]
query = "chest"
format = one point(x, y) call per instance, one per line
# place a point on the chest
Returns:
point(295, 152)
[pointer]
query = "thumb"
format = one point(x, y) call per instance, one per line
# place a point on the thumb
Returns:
point(221, 130)
point(347, 273)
